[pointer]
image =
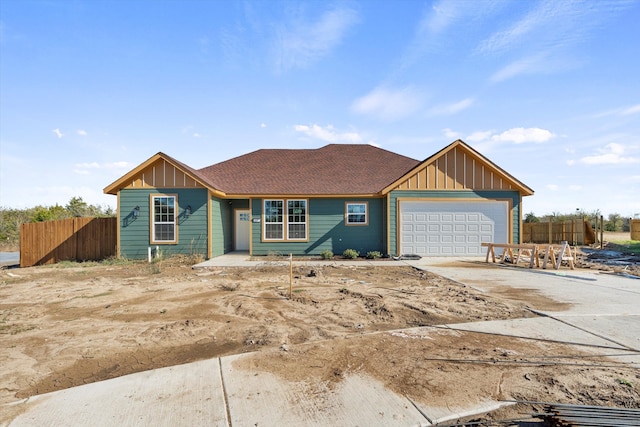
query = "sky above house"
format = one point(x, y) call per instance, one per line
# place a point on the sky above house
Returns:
point(547, 90)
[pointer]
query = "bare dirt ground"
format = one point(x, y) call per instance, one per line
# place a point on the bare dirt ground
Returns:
point(72, 324)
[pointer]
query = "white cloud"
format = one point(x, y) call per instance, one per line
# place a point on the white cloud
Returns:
point(611, 154)
point(546, 35)
point(575, 187)
point(328, 133)
point(553, 187)
point(522, 135)
point(196, 135)
point(57, 132)
point(389, 104)
point(431, 32)
point(263, 125)
point(81, 132)
point(480, 135)
point(298, 43)
point(85, 168)
point(532, 64)
point(449, 133)
point(635, 109)
point(453, 108)
point(442, 15)
point(485, 140)
point(622, 111)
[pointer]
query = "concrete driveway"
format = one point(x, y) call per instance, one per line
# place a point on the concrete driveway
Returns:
point(600, 307)
point(602, 310)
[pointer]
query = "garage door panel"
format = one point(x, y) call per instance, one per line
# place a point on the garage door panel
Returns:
point(451, 228)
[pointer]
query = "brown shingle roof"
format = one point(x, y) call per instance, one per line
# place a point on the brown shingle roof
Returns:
point(332, 169)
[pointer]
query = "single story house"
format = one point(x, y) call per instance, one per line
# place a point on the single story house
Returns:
point(305, 201)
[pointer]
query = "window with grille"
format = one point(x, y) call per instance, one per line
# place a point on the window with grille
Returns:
point(285, 219)
point(274, 219)
point(356, 214)
point(297, 219)
point(163, 221)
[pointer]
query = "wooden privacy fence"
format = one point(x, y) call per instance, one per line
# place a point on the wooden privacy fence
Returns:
point(576, 232)
point(634, 224)
point(75, 239)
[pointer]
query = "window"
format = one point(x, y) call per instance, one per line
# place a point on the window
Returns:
point(356, 214)
point(163, 222)
point(273, 219)
point(297, 219)
point(277, 220)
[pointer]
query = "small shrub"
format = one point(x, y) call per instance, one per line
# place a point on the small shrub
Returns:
point(326, 254)
point(350, 254)
point(374, 255)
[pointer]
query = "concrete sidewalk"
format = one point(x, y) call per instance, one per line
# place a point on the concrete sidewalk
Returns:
point(604, 313)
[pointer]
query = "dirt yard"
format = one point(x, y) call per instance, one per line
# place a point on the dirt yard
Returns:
point(72, 324)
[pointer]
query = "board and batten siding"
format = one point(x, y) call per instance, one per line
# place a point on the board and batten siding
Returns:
point(326, 229)
point(135, 233)
point(459, 195)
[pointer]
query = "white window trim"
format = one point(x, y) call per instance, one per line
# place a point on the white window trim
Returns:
point(305, 223)
point(285, 221)
point(153, 222)
point(265, 223)
point(346, 214)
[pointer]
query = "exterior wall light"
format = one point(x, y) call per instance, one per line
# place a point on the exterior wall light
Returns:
point(187, 211)
point(136, 211)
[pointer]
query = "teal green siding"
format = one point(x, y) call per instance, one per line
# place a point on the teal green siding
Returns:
point(222, 226)
point(219, 214)
point(326, 229)
point(514, 196)
point(135, 233)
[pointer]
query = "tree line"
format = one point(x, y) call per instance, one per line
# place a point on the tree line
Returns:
point(11, 219)
point(613, 222)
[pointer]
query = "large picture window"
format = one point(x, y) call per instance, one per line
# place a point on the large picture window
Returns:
point(163, 221)
point(285, 220)
point(356, 213)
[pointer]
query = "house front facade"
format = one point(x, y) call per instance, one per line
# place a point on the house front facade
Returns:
point(305, 201)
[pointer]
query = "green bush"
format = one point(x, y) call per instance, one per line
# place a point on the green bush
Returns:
point(374, 255)
point(326, 254)
point(350, 254)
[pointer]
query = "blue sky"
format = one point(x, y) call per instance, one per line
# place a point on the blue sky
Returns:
point(548, 90)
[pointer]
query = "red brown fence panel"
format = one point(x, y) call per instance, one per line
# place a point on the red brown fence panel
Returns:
point(74, 239)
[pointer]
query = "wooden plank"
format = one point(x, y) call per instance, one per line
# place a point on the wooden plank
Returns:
point(522, 249)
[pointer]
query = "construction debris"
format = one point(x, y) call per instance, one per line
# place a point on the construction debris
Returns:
point(563, 415)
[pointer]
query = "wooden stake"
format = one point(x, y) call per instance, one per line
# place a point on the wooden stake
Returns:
point(290, 276)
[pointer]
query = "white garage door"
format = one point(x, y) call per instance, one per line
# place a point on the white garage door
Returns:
point(451, 228)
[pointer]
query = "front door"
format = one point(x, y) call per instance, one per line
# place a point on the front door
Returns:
point(243, 226)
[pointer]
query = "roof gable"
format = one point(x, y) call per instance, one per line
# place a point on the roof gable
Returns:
point(159, 171)
point(335, 169)
point(458, 167)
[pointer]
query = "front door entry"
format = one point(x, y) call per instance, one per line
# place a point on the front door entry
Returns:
point(243, 226)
